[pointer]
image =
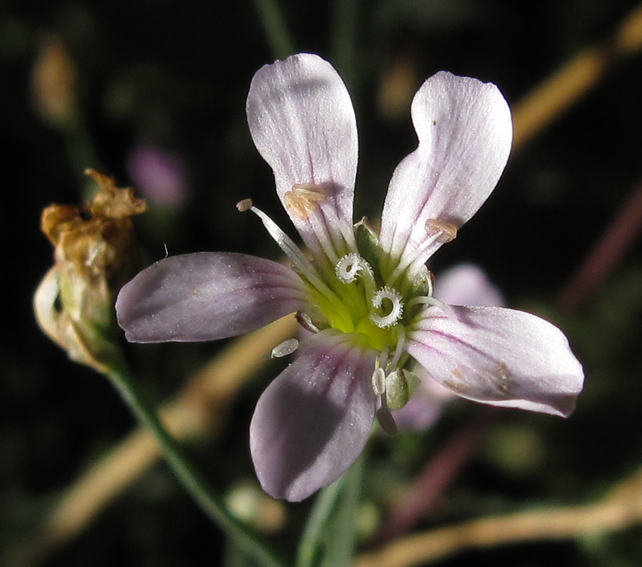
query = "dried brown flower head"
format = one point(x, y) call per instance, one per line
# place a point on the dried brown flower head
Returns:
point(93, 257)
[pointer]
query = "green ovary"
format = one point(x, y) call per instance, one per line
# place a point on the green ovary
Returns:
point(349, 311)
point(378, 338)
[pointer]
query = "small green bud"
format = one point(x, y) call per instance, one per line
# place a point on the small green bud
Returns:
point(400, 386)
point(368, 244)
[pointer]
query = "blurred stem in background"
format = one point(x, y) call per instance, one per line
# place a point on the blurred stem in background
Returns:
point(343, 51)
point(276, 31)
point(56, 96)
point(619, 509)
point(574, 80)
point(331, 527)
point(605, 255)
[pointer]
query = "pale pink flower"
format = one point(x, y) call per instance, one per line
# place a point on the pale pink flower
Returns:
point(367, 299)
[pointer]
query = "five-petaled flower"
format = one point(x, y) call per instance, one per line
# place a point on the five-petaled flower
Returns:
point(367, 299)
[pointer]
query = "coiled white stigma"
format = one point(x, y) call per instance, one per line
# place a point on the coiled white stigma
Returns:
point(389, 300)
point(349, 267)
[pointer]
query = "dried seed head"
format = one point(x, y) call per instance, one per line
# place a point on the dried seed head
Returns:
point(74, 304)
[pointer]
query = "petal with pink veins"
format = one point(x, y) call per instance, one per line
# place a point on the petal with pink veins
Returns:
point(206, 296)
point(465, 133)
point(499, 356)
point(302, 122)
point(314, 419)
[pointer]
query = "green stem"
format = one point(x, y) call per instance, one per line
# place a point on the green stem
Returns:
point(344, 532)
point(276, 31)
point(235, 556)
point(344, 36)
point(82, 154)
point(316, 524)
point(187, 473)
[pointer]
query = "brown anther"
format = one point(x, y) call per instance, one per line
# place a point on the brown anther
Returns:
point(302, 200)
point(244, 205)
point(446, 231)
point(386, 421)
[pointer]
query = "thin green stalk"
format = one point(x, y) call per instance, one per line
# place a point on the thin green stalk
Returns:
point(235, 556)
point(82, 154)
point(342, 537)
point(317, 523)
point(275, 28)
point(344, 40)
point(187, 474)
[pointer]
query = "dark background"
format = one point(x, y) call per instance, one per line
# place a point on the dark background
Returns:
point(174, 74)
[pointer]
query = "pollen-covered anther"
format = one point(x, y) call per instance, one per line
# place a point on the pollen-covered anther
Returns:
point(379, 382)
point(306, 322)
point(349, 267)
point(389, 301)
point(302, 200)
point(285, 348)
point(443, 230)
point(244, 205)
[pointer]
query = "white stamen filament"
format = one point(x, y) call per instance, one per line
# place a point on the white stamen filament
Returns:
point(408, 260)
point(301, 263)
point(392, 296)
point(438, 231)
point(427, 301)
point(399, 349)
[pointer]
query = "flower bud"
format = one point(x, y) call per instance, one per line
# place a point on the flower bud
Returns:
point(400, 386)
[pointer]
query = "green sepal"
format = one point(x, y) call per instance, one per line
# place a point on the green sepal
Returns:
point(368, 247)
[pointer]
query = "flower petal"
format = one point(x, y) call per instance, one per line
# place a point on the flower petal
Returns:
point(314, 419)
point(465, 132)
point(501, 357)
point(206, 296)
point(461, 284)
point(303, 124)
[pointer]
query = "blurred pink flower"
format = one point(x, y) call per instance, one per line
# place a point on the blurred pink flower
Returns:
point(367, 298)
point(158, 174)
